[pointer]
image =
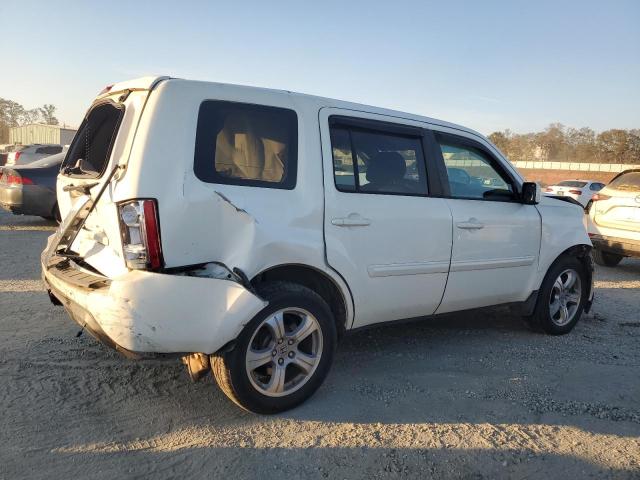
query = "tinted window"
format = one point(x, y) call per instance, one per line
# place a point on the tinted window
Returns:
point(94, 141)
point(244, 144)
point(626, 181)
point(372, 161)
point(596, 187)
point(472, 172)
point(572, 183)
point(51, 150)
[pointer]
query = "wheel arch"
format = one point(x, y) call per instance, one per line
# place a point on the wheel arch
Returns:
point(337, 296)
point(582, 252)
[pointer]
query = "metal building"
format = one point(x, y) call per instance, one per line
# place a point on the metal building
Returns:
point(40, 133)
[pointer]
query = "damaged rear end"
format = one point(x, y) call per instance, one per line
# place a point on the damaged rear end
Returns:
point(106, 265)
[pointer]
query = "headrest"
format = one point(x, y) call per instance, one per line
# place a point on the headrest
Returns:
point(386, 167)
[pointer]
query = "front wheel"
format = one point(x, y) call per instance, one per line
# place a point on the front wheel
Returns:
point(283, 355)
point(606, 259)
point(561, 297)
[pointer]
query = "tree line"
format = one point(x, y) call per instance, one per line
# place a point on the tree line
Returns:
point(558, 143)
point(12, 114)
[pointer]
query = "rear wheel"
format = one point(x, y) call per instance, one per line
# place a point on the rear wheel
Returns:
point(561, 297)
point(606, 259)
point(283, 355)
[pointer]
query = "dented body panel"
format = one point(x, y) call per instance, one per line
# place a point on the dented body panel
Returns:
point(144, 312)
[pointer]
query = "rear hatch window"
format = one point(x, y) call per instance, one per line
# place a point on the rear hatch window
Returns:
point(571, 183)
point(90, 150)
point(627, 181)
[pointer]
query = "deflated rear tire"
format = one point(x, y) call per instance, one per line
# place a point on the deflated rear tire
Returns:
point(283, 355)
point(561, 297)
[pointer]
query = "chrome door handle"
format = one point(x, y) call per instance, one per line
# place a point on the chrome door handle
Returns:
point(471, 224)
point(351, 221)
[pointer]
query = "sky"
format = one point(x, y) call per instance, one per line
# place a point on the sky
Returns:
point(488, 65)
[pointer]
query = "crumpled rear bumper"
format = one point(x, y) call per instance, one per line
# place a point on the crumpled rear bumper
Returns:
point(145, 312)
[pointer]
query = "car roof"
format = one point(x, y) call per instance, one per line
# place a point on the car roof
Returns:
point(152, 82)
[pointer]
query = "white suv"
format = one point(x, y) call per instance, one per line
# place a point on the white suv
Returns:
point(614, 219)
point(247, 230)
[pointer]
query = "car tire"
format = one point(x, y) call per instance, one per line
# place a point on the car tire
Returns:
point(606, 259)
point(561, 297)
point(282, 355)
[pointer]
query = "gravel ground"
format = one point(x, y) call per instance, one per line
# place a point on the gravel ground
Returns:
point(473, 395)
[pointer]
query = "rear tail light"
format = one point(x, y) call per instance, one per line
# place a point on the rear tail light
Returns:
point(600, 196)
point(548, 189)
point(576, 192)
point(18, 180)
point(16, 156)
point(140, 231)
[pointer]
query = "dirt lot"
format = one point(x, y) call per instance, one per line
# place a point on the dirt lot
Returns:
point(466, 396)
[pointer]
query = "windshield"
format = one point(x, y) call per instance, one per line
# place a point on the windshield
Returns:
point(572, 183)
point(626, 181)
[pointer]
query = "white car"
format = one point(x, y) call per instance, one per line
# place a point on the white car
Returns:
point(248, 229)
point(581, 191)
point(614, 220)
point(24, 154)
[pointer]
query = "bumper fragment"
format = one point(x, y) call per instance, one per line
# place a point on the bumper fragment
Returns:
point(145, 312)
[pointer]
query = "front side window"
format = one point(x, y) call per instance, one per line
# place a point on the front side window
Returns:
point(596, 187)
point(471, 172)
point(372, 161)
point(243, 144)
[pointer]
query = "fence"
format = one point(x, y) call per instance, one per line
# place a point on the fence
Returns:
point(581, 167)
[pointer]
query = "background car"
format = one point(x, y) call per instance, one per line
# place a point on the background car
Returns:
point(24, 154)
point(5, 149)
point(580, 190)
point(614, 220)
point(31, 189)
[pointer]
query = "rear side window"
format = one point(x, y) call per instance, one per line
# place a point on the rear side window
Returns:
point(372, 161)
point(91, 147)
point(245, 144)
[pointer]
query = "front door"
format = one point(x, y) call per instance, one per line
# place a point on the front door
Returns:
point(384, 234)
point(496, 238)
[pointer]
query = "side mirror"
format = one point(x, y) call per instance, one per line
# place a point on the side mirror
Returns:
point(531, 193)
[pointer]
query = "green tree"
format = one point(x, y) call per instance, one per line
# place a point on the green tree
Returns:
point(47, 112)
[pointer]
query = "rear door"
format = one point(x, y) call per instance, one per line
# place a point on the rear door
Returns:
point(496, 238)
point(102, 142)
point(384, 232)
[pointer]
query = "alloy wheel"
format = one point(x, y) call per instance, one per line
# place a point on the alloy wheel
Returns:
point(565, 297)
point(284, 352)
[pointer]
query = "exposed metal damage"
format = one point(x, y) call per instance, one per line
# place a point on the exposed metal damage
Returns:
point(197, 365)
point(217, 270)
